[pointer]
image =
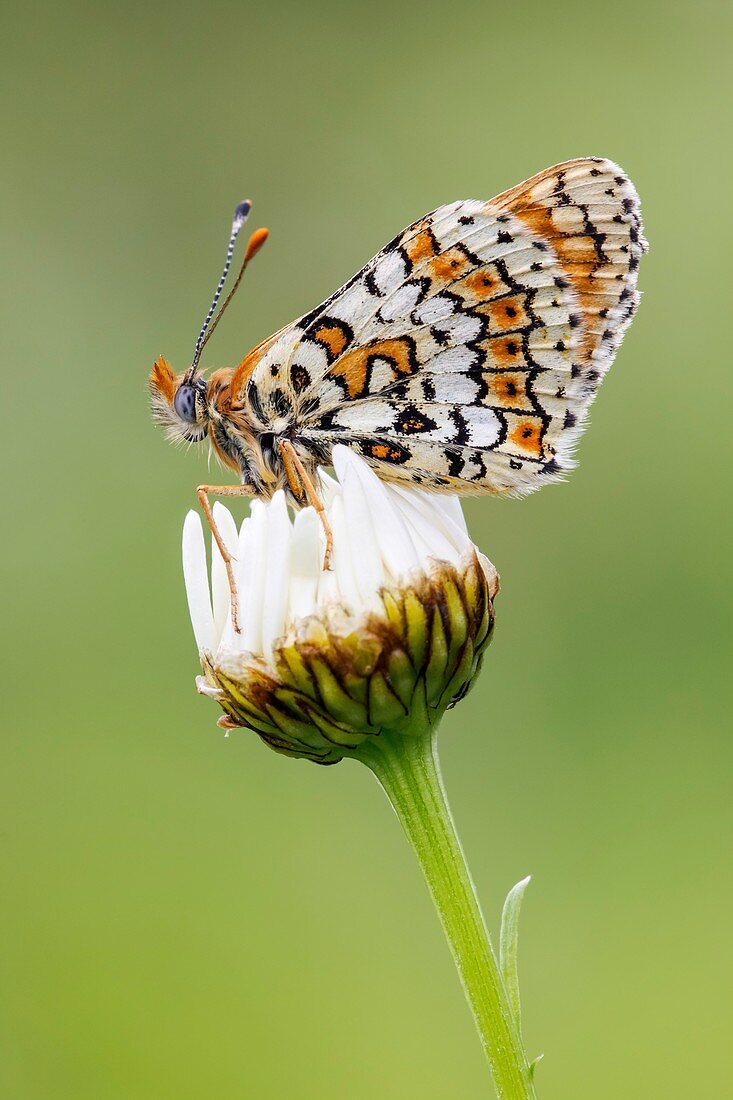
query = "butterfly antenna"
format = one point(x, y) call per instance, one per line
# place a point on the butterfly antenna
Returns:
point(240, 216)
point(254, 244)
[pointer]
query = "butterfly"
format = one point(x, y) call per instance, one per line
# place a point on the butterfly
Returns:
point(463, 357)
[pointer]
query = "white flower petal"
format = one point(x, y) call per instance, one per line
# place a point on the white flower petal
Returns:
point(305, 564)
point(396, 546)
point(251, 576)
point(230, 640)
point(220, 597)
point(277, 576)
point(328, 589)
point(381, 532)
point(329, 487)
point(447, 503)
point(195, 575)
point(420, 544)
point(432, 542)
point(342, 560)
point(429, 506)
point(359, 539)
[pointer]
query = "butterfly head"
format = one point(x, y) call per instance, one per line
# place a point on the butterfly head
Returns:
point(179, 403)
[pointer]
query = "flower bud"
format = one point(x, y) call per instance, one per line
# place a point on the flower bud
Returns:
point(387, 639)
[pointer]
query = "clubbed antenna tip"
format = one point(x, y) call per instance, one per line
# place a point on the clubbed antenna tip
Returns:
point(240, 214)
point(240, 217)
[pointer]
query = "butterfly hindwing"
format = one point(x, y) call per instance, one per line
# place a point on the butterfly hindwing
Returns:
point(467, 352)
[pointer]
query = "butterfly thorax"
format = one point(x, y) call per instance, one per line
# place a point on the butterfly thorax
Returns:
point(248, 443)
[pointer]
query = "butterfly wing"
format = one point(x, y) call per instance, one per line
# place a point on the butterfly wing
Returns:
point(466, 354)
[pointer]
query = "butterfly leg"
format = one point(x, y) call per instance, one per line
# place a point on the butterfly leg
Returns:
point(300, 483)
point(224, 491)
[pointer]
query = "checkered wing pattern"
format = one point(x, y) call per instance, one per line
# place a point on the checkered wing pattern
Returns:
point(465, 355)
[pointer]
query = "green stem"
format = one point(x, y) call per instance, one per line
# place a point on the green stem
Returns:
point(409, 771)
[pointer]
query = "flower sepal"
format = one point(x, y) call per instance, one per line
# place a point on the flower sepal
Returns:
point(337, 678)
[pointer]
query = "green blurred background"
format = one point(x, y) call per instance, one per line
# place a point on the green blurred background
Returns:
point(187, 916)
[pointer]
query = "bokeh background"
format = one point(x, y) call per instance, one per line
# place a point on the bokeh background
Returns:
point(186, 916)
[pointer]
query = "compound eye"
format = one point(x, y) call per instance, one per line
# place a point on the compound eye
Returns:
point(184, 403)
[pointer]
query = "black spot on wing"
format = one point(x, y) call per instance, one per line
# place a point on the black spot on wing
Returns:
point(300, 378)
point(411, 420)
point(382, 450)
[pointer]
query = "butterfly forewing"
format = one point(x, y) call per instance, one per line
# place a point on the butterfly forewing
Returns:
point(466, 353)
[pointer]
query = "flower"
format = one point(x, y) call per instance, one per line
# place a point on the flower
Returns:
point(386, 639)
